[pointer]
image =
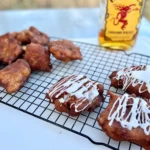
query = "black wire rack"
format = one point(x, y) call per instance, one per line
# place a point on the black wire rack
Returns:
point(97, 64)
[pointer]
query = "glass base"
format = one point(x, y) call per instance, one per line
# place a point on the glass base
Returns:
point(116, 45)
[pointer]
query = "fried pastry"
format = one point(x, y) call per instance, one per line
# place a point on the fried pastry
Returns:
point(134, 80)
point(32, 35)
point(38, 57)
point(22, 37)
point(37, 36)
point(75, 94)
point(127, 118)
point(9, 49)
point(65, 50)
point(14, 75)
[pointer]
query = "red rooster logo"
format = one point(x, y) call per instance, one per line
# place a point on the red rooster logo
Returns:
point(122, 14)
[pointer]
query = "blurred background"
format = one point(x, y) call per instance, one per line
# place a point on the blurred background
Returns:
point(70, 19)
point(30, 4)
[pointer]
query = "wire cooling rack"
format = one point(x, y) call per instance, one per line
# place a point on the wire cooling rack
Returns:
point(97, 64)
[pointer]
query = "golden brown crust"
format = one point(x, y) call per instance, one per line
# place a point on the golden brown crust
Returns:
point(117, 132)
point(65, 50)
point(38, 57)
point(22, 37)
point(15, 75)
point(69, 107)
point(65, 107)
point(31, 35)
point(9, 49)
point(37, 36)
point(131, 89)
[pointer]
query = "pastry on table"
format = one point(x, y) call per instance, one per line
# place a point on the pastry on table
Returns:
point(31, 35)
point(65, 50)
point(134, 80)
point(75, 94)
point(38, 57)
point(10, 50)
point(127, 118)
point(13, 76)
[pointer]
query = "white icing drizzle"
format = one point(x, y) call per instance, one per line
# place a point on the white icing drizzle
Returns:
point(138, 115)
point(75, 85)
point(135, 76)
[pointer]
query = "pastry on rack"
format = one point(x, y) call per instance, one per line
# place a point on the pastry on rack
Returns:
point(65, 50)
point(14, 75)
point(75, 94)
point(9, 49)
point(38, 57)
point(127, 118)
point(22, 37)
point(31, 35)
point(134, 80)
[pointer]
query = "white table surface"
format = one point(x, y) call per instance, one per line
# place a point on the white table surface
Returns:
point(20, 131)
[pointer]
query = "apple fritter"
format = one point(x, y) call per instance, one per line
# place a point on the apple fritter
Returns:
point(37, 36)
point(9, 49)
point(13, 76)
point(38, 57)
point(75, 94)
point(127, 118)
point(31, 35)
point(134, 80)
point(22, 37)
point(65, 50)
